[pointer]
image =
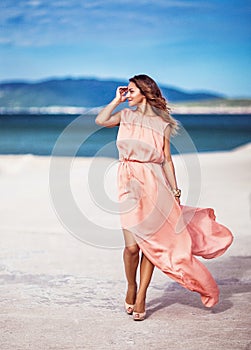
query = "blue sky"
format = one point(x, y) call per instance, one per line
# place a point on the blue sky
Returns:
point(193, 45)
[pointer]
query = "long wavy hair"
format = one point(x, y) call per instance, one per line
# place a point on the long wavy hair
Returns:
point(149, 88)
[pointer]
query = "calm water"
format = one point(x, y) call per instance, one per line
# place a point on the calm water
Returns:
point(37, 134)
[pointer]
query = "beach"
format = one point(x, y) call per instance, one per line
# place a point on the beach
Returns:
point(62, 290)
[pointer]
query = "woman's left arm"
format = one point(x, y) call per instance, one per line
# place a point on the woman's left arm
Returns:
point(168, 164)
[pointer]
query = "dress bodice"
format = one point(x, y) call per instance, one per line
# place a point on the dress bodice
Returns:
point(141, 137)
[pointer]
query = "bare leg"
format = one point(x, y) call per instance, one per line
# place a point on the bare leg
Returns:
point(146, 271)
point(131, 262)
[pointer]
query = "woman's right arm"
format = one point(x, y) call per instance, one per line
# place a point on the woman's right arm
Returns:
point(105, 116)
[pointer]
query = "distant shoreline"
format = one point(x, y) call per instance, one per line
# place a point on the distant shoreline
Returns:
point(211, 109)
point(176, 109)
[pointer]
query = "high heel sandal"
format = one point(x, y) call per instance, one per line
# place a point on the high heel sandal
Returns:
point(129, 308)
point(139, 316)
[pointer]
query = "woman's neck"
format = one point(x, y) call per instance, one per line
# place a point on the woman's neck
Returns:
point(146, 109)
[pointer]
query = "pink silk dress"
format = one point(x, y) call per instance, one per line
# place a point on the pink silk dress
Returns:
point(167, 233)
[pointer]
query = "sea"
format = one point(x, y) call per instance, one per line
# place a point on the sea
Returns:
point(78, 135)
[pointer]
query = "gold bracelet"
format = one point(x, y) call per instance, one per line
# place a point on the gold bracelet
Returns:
point(176, 192)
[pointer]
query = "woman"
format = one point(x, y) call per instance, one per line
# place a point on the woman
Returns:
point(153, 221)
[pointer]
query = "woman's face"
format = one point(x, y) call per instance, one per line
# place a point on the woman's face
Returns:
point(134, 96)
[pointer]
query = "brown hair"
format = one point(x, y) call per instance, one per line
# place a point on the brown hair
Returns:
point(149, 88)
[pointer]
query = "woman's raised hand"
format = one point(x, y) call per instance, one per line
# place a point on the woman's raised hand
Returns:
point(106, 117)
point(121, 93)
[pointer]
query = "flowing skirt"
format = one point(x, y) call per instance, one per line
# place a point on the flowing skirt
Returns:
point(171, 235)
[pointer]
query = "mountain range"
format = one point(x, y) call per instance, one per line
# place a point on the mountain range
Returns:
point(79, 92)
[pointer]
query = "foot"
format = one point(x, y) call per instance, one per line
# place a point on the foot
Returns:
point(140, 306)
point(139, 316)
point(129, 308)
point(139, 312)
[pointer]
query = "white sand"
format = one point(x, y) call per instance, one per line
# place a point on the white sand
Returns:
point(60, 293)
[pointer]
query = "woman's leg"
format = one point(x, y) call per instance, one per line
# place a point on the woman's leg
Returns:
point(131, 261)
point(146, 271)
